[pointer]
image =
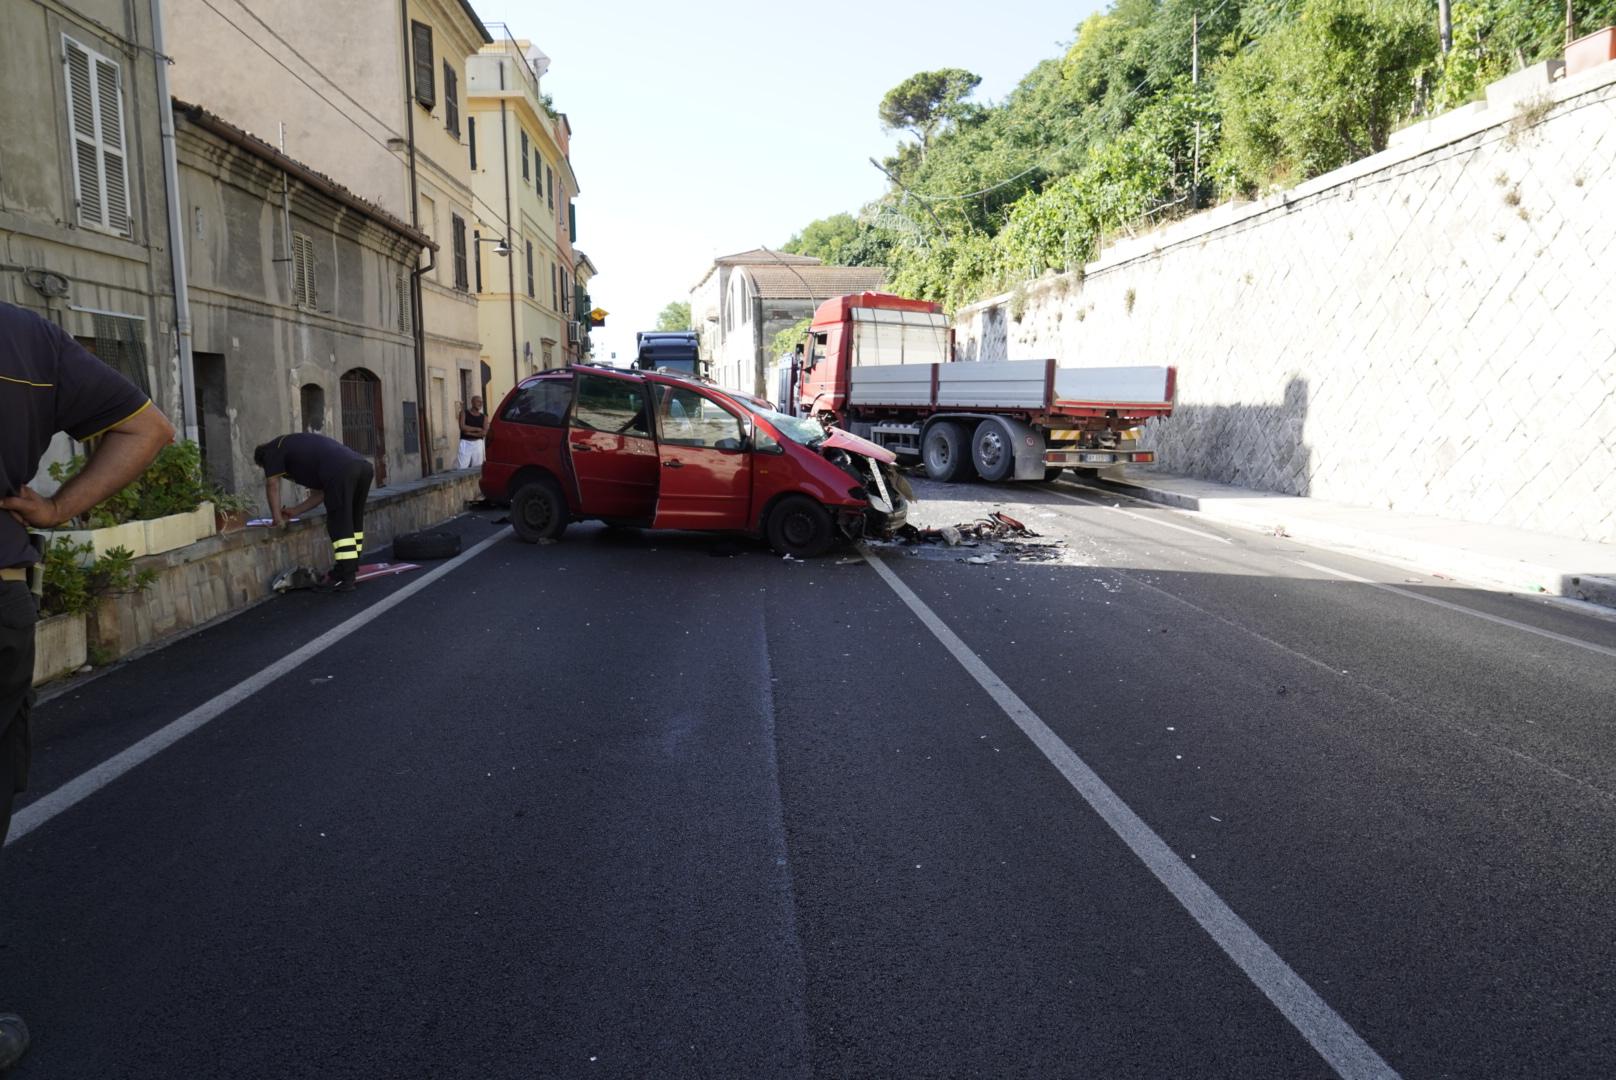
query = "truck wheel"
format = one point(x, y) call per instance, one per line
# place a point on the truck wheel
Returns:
point(800, 527)
point(993, 451)
point(1053, 472)
point(538, 511)
point(945, 452)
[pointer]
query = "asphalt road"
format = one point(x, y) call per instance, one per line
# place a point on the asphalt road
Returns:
point(1154, 799)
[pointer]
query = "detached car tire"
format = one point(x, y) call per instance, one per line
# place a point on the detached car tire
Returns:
point(538, 511)
point(946, 452)
point(800, 527)
point(431, 544)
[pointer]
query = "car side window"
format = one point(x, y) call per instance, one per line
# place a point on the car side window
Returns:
point(692, 419)
point(541, 404)
point(611, 405)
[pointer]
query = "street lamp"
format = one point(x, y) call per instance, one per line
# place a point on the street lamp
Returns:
point(501, 248)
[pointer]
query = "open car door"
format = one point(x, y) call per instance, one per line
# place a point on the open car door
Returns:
point(706, 464)
point(609, 445)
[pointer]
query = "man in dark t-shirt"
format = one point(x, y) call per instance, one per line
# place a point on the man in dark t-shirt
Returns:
point(334, 475)
point(49, 383)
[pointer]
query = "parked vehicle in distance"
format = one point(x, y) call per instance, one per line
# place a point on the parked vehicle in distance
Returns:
point(883, 366)
point(662, 451)
point(669, 350)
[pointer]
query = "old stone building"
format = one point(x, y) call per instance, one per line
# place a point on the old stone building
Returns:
point(83, 217)
point(373, 94)
point(300, 305)
point(745, 299)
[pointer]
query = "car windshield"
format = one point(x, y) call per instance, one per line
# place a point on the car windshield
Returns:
point(806, 431)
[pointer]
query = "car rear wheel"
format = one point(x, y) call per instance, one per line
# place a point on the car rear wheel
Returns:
point(800, 527)
point(946, 453)
point(538, 511)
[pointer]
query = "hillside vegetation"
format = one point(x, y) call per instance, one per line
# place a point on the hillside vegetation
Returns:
point(1117, 134)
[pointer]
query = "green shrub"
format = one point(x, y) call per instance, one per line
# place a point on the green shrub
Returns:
point(71, 588)
point(173, 484)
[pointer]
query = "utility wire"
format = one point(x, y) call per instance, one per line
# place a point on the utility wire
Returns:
point(242, 4)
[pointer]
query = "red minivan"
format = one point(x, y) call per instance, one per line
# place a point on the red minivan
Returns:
point(660, 451)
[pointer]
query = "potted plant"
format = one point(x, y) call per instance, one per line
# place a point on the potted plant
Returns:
point(166, 507)
point(76, 581)
point(231, 510)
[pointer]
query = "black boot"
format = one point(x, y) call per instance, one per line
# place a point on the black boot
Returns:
point(13, 1040)
point(346, 572)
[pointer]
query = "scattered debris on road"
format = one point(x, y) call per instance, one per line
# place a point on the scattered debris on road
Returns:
point(1000, 533)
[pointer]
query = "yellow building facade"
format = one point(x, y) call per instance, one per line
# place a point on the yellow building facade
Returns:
point(523, 184)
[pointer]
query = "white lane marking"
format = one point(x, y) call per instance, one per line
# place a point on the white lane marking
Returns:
point(1142, 517)
point(86, 784)
point(1603, 650)
point(1334, 1039)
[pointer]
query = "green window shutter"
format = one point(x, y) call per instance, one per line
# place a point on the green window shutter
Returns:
point(426, 91)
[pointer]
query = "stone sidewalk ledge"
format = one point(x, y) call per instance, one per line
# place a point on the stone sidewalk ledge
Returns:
point(1489, 555)
point(224, 574)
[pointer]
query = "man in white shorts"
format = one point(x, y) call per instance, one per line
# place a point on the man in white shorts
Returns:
point(473, 426)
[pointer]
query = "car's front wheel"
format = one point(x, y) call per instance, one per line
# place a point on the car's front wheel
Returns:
point(538, 511)
point(800, 527)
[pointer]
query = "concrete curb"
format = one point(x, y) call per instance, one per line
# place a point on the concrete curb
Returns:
point(1267, 513)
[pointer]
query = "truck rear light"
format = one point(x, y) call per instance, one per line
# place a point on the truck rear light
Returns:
point(1145, 456)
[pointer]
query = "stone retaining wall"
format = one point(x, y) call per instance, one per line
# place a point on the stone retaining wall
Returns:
point(225, 573)
point(1429, 330)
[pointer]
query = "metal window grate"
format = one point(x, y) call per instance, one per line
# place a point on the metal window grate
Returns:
point(120, 345)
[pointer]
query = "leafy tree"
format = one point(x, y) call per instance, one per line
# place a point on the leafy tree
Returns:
point(927, 100)
point(676, 316)
point(787, 339)
point(1324, 89)
point(824, 239)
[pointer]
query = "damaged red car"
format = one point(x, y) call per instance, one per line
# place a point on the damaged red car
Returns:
point(658, 451)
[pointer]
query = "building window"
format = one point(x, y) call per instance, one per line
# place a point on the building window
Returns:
point(95, 117)
point(311, 400)
point(402, 287)
point(524, 155)
point(564, 295)
point(538, 171)
point(555, 286)
point(458, 226)
point(530, 268)
point(572, 222)
point(549, 186)
point(451, 100)
point(471, 140)
point(477, 257)
point(305, 285)
point(421, 39)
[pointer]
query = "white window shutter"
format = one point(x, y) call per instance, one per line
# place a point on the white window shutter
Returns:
point(114, 171)
point(86, 146)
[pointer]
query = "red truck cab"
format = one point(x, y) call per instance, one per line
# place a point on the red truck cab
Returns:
point(917, 329)
point(661, 451)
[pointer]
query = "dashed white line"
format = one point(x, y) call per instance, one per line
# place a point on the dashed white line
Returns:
point(1324, 1029)
point(86, 784)
point(1603, 650)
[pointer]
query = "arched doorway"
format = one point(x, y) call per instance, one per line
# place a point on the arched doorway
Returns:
point(362, 430)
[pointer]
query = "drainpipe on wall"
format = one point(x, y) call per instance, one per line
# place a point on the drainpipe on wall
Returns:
point(421, 427)
point(510, 255)
point(176, 237)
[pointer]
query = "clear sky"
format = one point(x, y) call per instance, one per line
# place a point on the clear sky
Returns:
point(712, 127)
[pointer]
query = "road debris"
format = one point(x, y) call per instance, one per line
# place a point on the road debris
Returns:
point(997, 535)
